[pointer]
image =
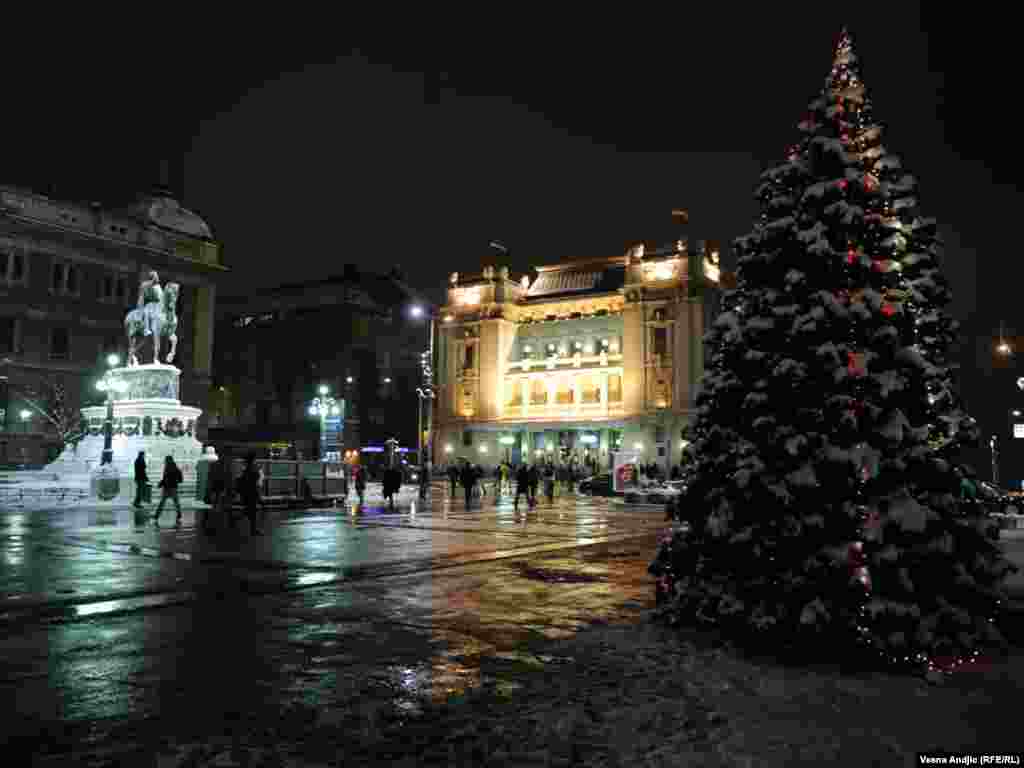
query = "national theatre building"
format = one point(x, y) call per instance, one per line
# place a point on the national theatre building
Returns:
point(590, 357)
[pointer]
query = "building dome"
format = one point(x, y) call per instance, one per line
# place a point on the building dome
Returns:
point(160, 208)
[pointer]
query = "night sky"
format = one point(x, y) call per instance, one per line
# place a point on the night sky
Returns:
point(559, 138)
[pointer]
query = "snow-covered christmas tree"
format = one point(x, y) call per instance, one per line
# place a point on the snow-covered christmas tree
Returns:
point(824, 490)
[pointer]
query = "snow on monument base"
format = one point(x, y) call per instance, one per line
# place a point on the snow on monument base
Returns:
point(148, 417)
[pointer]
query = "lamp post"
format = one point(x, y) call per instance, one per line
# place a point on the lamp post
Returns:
point(993, 445)
point(322, 407)
point(508, 441)
point(1002, 347)
point(426, 392)
point(108, 484)
point(25, 417)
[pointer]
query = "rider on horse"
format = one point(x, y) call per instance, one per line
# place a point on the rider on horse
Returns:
point(151, 302)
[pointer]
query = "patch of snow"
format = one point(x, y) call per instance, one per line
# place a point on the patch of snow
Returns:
point(727, 320)
point(789, 309)
point(907, 513)
point(803, 477)
point(761, 323)
point(820, 248)
point(788, 367)
point(889, 381)
point(781, 223)
point(795, 443)
point(818, 189)
point(894, 426)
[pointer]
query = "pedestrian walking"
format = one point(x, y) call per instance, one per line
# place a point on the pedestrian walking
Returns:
point(222, 493)
point(549, 485)
point(142, 491)
point(468, 479)
point(169, 489)
point(534, 482)
point(481, 476)
point(522, 485)
point(453, 477)
point(392, 484)
point(424, 481)
point(360, 474)
point(249, 490)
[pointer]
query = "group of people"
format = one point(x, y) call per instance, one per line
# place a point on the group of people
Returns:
point(222, 488)
point(168, 485)
point(526, 480)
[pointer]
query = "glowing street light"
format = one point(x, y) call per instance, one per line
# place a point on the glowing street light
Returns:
point(1002, 347)
point(325, 406)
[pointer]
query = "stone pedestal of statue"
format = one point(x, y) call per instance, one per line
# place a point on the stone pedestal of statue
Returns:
point(148, 416)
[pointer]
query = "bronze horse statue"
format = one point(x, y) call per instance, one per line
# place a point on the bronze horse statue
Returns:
point(164, 325)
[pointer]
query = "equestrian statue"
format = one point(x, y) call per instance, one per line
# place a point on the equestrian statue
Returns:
point(156, 316)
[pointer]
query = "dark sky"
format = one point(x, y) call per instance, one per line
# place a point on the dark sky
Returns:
point(306, 150)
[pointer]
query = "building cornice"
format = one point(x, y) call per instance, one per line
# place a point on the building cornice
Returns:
point(35, 224)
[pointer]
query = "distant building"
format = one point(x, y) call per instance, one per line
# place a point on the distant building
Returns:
point(68, 274)
point(353, 333)
point(591, 357)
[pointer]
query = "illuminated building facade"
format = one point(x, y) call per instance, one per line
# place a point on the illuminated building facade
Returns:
point(590, 357)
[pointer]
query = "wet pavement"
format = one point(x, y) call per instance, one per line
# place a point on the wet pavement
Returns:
point(131, 642)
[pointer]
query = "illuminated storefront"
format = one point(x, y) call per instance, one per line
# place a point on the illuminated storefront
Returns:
point(590, 357)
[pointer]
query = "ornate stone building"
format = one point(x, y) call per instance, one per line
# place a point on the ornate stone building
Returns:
point(68, 274)
point(590, 357)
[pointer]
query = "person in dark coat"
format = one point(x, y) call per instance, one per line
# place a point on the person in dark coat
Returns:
point(141, 479)
point(169, 489)
point(222, 493)
point(534, 482)
point(392, 483)
point(360, 473)
point(453, 477)
point(249, 490)
point(424, 481)
point(522, 485)
point(468, 479)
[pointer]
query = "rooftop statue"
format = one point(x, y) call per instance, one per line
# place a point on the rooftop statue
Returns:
point(156, 316)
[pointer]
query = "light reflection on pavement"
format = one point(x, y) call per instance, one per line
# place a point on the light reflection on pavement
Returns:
point(107, 620)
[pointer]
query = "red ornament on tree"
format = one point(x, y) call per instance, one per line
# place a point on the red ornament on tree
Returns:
point(888, 310)
point(842, 184)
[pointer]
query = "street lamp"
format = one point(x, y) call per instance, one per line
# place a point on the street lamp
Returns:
point(508, 441)
point(1002, 347)
point(426, 391)
point(110, 384)
point(25, 416)
point(108, 484)
point(322, 407)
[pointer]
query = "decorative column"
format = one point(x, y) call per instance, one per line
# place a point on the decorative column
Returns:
point(552, 385)
point(577, 394)
point(604, 393)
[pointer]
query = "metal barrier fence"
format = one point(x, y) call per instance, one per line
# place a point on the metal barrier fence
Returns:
point(283, 478)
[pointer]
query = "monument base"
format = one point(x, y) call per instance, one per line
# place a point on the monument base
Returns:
point(147, 417)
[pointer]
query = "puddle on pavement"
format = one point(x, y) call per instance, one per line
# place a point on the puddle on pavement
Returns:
point(557, 576)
